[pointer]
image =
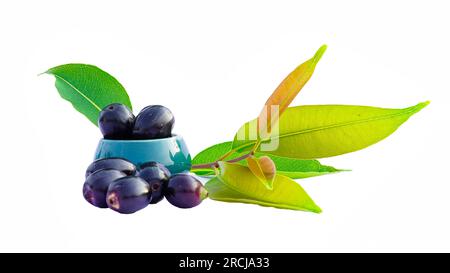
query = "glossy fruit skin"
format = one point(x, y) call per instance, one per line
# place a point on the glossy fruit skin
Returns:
point(116, 121)
point(157, 176)
point(185, 191)
point(128, 194)
point(154, 121)
point(96, 186)
point(116, 163)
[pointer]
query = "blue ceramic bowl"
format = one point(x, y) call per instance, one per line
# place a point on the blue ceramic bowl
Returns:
point(171, 151)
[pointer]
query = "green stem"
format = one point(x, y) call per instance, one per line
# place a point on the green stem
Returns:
point(258, 142)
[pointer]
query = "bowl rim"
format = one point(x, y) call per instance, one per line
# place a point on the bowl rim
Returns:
point(174, 136)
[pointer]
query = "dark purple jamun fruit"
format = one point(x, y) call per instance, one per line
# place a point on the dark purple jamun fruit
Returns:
point(157, 176)
point(128, 194)
point(155, 121)
point(116, 121)
point(185, 191)
point(115, 163)
point(96, 186)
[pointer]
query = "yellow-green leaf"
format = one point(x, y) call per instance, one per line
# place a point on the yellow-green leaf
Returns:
point(238, 184)
point(318, 131)
point(263, 168)
point(287, 90)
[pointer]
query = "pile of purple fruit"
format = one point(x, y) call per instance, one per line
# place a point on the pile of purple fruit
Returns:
point(115, 183)
point(118, 184)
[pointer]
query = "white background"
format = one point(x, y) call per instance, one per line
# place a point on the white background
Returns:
point(214, 64)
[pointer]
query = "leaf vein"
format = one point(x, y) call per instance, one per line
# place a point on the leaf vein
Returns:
point(79, 92)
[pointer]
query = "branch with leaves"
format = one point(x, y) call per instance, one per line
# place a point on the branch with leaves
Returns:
point(243, 170)
point(305, 133)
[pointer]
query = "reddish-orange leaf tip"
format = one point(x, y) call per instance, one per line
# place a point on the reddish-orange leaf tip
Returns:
point(286, 91)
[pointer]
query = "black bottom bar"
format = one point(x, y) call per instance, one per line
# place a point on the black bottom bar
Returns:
point(214, 262)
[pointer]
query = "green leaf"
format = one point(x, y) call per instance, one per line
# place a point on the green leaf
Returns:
point(291, 167)
point(203, 172)
point(237, 183)
point(212, 153)
point(318, 131)
point(88, 88)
